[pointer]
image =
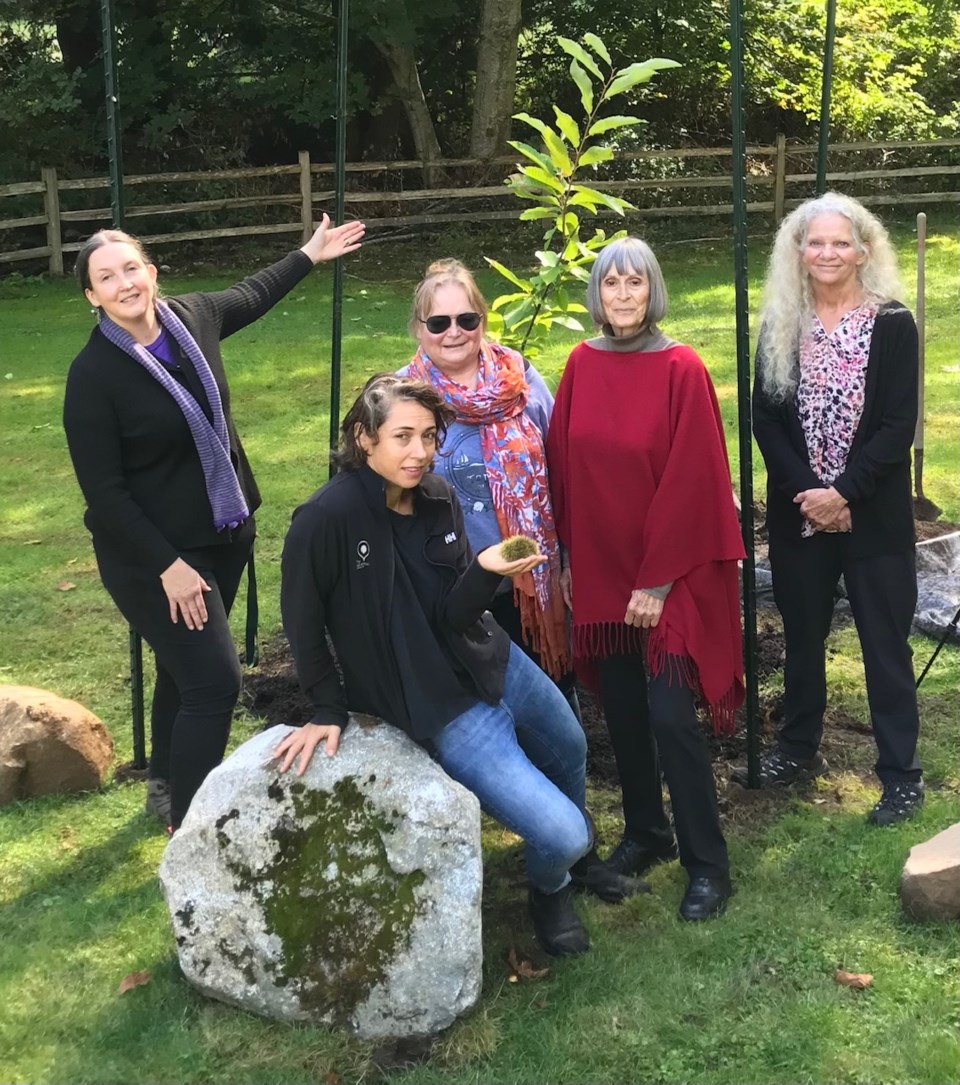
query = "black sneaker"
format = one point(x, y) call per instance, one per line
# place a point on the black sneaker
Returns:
point(591, 874)
point(630, 857)
point(899, 801)
point(778, 769)
point(557, 926)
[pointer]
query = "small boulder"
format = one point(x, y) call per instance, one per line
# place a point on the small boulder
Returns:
point(930, 885)
point(349, 896)
point(49, 744)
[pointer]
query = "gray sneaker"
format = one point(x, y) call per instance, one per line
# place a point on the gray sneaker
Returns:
point(158, 799)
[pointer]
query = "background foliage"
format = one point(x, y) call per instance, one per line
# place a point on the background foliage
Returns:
point(221, 83)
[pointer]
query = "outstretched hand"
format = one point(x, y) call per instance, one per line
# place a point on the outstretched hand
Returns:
point(329, 242)
point(492, 560)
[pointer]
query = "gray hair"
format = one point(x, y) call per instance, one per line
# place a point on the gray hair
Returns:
point(628, 254)
point(787, 299)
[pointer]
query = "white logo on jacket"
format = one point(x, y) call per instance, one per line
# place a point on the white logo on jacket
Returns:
point(363, 553)
point(451, 536)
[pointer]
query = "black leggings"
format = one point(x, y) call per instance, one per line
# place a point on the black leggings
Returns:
point(198, 670)
point(652, 723)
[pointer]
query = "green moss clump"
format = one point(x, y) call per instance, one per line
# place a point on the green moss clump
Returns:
point(518, 546)
point(333, 899)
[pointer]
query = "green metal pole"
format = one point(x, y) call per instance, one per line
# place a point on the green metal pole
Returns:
point(825, 96)
point(339, 185)
point(111, 91)
point(118, 214)
point(741, 309)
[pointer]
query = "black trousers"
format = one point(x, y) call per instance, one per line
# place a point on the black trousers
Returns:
point(506, 613)
point(883, 596)
point(652, 724)
point(198, 670)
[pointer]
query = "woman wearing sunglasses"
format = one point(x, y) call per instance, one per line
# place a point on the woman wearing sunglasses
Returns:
point(494, 455)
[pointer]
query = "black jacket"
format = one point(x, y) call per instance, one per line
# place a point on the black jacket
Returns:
point(338, 575)
point(132, 449)
point(876, 480)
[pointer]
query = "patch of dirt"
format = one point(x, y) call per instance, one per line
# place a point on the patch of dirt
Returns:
point(933, 529)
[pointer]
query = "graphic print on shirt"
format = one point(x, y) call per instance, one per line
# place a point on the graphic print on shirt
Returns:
point(467, 474)
point(363, 553)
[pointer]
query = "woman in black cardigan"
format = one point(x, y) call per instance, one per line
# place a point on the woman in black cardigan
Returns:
point(834, 408)
point(170, 494)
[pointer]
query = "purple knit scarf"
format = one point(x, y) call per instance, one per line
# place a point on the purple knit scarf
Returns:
point(213, 442)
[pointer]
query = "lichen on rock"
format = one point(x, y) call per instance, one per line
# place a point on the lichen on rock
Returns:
point(349, 896)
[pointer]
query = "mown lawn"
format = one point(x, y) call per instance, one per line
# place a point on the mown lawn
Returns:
point(749, 998)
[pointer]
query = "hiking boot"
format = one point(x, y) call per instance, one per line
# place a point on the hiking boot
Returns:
point(900, 800)
point(630, 857)
point(158, 799)
point(556, 924)
point(591, 874)
point(778, 769)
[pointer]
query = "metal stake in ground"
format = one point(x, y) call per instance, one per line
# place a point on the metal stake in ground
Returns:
point(339, 185)
point(825, 97)
point(114, 153)
point(923, 507)
point(951, 628)
point(743, 388)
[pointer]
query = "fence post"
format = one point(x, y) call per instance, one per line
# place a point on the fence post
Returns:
point(51, 208)
point(779, 177)
point(306, 196)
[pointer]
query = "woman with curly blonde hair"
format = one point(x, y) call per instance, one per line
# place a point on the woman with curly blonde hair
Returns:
point(835, 407)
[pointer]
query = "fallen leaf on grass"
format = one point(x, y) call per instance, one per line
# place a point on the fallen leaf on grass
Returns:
point(330, 1078)
point(859, 981)
point(523, 967)
point(134, 979)
point(66, 585)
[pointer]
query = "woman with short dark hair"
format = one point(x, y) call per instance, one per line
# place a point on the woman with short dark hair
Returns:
point(379, 559)
point(170, 495)
point(644, 506)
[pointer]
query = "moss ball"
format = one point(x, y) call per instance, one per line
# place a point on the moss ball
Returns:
point(517, 547)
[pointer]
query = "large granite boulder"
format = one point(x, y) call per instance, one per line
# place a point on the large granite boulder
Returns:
point(930, 884)
point(349, 896)
point(938, 584)
point(49, 744)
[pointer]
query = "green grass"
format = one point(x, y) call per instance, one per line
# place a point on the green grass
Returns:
point(750, 998)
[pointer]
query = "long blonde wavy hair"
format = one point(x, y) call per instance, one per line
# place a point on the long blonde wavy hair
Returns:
point(787, 297)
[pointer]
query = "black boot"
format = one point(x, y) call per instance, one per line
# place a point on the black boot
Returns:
point(591, 874)
point(632, 857)
point(556, 924)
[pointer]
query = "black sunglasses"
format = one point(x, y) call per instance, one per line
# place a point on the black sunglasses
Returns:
point(469, 322)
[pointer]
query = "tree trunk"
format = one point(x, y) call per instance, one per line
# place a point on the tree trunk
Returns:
point(496, 77)
point(403, 68)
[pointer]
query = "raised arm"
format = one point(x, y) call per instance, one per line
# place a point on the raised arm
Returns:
point(245, 302)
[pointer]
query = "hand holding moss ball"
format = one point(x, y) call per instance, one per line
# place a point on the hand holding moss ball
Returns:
point(516, 547)
point(512, 557)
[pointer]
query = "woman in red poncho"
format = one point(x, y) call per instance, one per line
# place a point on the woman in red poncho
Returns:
point(644, 508)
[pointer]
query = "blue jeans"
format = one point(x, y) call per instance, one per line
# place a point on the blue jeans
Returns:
point(525, 760)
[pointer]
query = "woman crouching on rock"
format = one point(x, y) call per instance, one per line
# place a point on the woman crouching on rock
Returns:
point(379, 558)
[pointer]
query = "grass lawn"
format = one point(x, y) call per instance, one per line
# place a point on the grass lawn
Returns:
point(750, 998)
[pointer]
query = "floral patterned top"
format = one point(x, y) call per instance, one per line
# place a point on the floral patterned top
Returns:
point(830, 394)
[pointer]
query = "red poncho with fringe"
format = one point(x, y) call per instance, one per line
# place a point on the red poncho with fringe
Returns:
point(641, 493)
